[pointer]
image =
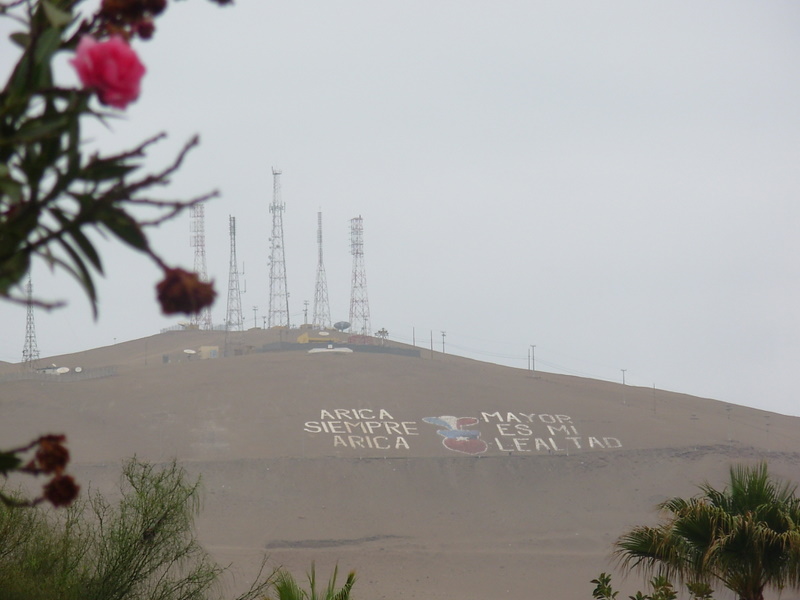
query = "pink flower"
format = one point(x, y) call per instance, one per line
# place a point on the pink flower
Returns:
point(110, 67)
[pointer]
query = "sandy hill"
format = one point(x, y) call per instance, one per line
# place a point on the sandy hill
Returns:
point(433, 476)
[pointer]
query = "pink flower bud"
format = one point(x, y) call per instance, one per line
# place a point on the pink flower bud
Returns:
point(111, 68)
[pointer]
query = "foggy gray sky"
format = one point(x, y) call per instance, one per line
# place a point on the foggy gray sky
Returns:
point(613, 182)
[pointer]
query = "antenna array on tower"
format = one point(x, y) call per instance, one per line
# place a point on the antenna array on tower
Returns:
point(234, 320)
point(30, 352)
point(278, 315)
point(198, 242)
point(359, 303)
point(322, 310)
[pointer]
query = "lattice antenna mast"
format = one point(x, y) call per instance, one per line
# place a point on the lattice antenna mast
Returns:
point(359, 303)
point(198, 241)
point(322, 309)
point(30, 353)
point(234, 319)
point(278, 315)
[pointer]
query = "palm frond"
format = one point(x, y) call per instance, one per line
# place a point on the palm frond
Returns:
point(745, 536)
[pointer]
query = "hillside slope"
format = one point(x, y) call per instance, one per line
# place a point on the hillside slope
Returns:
point(433, 476)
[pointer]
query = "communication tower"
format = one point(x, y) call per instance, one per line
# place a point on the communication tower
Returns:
point(30, 353)
point(322, 310)
point(278, 315)
point(234, 320)
point(198, 241)
point(359, 303)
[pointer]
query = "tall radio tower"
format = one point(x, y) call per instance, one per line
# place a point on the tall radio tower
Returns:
point(359, 303)
point(198, 241)
point(30, 352)
point(322, 310)
point(278, 296)
point(234, 320)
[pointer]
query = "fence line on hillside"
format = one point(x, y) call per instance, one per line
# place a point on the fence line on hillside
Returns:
point(60, 377)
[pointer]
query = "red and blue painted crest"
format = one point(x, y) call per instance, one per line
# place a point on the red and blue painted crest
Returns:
point(457, 436)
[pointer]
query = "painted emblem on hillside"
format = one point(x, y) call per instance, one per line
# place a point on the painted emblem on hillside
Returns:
point(379, 430)
point(457, 436)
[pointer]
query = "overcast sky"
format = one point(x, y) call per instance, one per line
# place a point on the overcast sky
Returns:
point(616, 183)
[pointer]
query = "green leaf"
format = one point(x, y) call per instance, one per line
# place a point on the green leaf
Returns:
point(11, 188)
point(100, 170)
point(73, 229)
point(124, 227)
point(73, 147)
point(21, 39)
point(12, 270)
point(17, 87)
point(9, 462)
point(42, 127)
point(56, 16)
point(46, 46)
point(33, 72)
point(20, 220)
point(81, 274)
point(87, 248)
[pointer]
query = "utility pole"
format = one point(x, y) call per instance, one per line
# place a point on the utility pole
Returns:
point(624, 399)
point(305, 312)
point(255, 317)
point(443, 334)
point(533, 358)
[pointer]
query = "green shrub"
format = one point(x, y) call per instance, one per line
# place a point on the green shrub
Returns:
point(142, 547)
point(285, 587)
